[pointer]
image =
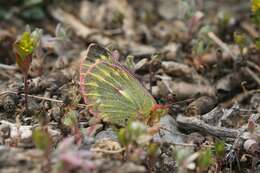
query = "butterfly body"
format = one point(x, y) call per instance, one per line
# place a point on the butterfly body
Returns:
point(112, 92)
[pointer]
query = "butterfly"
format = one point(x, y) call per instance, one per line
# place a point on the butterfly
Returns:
point(112, 92)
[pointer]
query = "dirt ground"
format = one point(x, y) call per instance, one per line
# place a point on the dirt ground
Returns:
point(201, 58)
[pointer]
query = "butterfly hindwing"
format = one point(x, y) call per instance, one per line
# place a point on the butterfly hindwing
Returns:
point(114, 93)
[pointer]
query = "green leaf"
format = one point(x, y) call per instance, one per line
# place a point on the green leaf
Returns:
point(121, 135)
point(136, 129)
point(28, 3)
point(255, 9)
point(24, 48)
point(134, 133)
point(41, 139)
point(70, 119)
point(205, 159)
point(257, 43)
point(33, 13)
point(240, 39)
point(130, 62)
point(202, 43)
point(219, 147)
point(152, 149)
point(255, 6)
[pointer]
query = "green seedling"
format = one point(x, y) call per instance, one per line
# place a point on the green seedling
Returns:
point(136, 138)
point(43, 141)
point(219, 152)
point(241, 40)
point(205, 159)
point(257, 43)
point(70, 120)
point(135, 133)
point(24, 48)
point(202, 43)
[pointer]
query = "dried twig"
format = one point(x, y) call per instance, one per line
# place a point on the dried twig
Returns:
point(221, 44)
point(253, 65)
point(239, 98)
point(253, 75)
point(8, 67)
point(195, 124)
point(250, 29)
point(107, 151)
point(70, 20)
point(43, 98)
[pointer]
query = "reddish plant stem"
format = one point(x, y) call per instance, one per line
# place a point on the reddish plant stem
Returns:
point(151, 76)
point(26, 92)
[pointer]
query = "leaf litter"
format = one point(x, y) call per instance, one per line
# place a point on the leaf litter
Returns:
point(204, 67)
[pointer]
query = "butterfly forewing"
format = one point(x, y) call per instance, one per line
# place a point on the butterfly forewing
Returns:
point(114, 93)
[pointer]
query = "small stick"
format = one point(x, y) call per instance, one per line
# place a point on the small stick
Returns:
point(221, 44)
point(42, 98)
point(253, 75)
point(107, 151)
point(239, 98)
point(26, 92)
point(250, 29)
point(8, 67)
point(70, 20)
point(195, 124)
point(253, 65)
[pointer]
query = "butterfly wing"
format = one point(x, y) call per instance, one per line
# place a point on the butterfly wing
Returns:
point(93, 53)
point(113, 93)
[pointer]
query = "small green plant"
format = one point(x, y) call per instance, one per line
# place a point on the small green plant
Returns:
point(185, 159)
point(70, 120)
point(202, 43)
point(257, 43)
point(205, 159)
point(242, 40)
point(136, 138)
point(43, 141)
point(135, 133)
point(24, 48)
point(219, 147)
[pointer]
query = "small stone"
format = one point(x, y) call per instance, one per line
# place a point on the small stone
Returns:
point(107, 134)
point(250, 146)
point(169, 132)
point(171, 51)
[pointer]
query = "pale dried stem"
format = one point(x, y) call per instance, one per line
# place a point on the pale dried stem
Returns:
point(221, 44)
point(42, 98)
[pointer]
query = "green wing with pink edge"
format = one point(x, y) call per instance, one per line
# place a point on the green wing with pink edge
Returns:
point(113, 93)
point(89, 57)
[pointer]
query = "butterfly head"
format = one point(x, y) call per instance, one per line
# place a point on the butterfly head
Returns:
point(157, 112)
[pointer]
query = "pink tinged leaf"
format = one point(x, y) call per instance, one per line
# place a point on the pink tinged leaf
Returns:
point(24, 65)
point(250, 146)
point(115, 55)
point(75, 160)
point(66, 144)
point(251, 125)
